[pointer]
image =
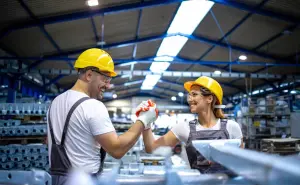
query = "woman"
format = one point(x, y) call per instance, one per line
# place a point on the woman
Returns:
point(205, 99)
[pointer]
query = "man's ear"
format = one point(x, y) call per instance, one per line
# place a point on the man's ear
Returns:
point(88, 75)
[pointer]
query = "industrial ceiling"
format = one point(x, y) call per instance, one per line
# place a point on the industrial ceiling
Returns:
point(42, 39)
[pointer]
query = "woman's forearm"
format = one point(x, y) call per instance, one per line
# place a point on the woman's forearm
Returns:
point(148, 140)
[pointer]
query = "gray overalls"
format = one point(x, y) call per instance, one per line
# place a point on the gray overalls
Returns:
point(197, 161)
point(60, 163)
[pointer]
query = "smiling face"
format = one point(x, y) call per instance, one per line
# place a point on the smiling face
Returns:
point(199, 99)
point(98, 82)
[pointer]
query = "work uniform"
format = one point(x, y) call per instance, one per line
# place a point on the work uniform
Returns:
point(187, 132)
point(73, 121)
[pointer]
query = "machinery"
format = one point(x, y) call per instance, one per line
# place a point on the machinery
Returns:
point(252, 168)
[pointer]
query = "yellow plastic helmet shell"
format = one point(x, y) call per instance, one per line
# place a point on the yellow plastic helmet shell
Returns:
point(208, 83)
point(98, 58)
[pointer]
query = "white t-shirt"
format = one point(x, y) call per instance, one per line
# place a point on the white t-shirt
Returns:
point(90, 118)
point(182, 130)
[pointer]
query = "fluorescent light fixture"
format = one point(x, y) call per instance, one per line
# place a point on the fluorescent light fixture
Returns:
point(133, 83)
point(101, 43)
point(243, 57)
point(293, 92)
point(37, 80)
point(126, 76)
point(147, 87)
point(217, 72)
point(173, 98)
point(115, 96)
point(159, 67)
point(127, 64)
point(269, 89)
point(186, 20)
point(164, 59)
point(229, 105)
point(188, 16)
point(4, 86)
point(171, 45)
point(150, 82)
point(180, 94)
point(92, 2)
point(255, 92)
point(283, 85)
point(285, 91)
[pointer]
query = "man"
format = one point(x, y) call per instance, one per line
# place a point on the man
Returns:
point(79, 124)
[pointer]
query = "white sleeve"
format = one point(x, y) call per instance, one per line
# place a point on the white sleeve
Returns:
point(234, 130)
point(98, 118)
point(181, 131)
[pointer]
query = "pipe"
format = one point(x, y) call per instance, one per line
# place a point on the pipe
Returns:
point(191, 74)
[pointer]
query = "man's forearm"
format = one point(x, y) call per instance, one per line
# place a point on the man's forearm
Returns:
point(129, 138)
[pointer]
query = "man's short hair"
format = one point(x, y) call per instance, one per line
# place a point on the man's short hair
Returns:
point(84, 70)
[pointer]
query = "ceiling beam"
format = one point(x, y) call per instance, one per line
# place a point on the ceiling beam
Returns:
point(237, 48)
point(221, 83)
point(94, 29)
point(233, 29)
point(150, 60)
point(87, 14)
point(185, 74)
point(138, 6)
point(254, 10)
point(42, 28)
point(162, 36)
point(137, 33)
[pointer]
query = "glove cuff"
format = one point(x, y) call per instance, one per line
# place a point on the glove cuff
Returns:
point(143, 121)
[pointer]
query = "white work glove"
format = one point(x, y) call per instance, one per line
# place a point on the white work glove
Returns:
point(147, 113)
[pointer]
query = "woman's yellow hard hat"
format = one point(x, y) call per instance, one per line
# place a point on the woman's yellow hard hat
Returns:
point(208, 83)
point(98, 58)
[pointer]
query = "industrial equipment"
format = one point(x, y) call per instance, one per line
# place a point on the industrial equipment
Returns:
point(252, 168)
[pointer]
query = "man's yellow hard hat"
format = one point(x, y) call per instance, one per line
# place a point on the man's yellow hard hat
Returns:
point(208, 83)
point(98, 58)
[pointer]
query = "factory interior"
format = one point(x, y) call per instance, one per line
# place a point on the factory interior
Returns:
point(152, 118)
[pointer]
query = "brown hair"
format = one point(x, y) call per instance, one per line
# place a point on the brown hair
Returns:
point(217, 111)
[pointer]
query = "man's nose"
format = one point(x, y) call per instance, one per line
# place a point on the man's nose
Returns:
point(107, 85)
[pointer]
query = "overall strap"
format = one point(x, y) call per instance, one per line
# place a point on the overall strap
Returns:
point(69, 117)
point(102, 158)
point(192, 125)
point(224, 127)
point(223, 123)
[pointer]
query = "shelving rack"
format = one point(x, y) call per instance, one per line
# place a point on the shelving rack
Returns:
point(265, 118)
point(23, 133)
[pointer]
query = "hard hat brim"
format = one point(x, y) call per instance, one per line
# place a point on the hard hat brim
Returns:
point(188, 85)
point(113, 74)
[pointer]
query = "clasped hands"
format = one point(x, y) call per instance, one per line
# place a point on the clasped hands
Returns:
point(147, 113)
